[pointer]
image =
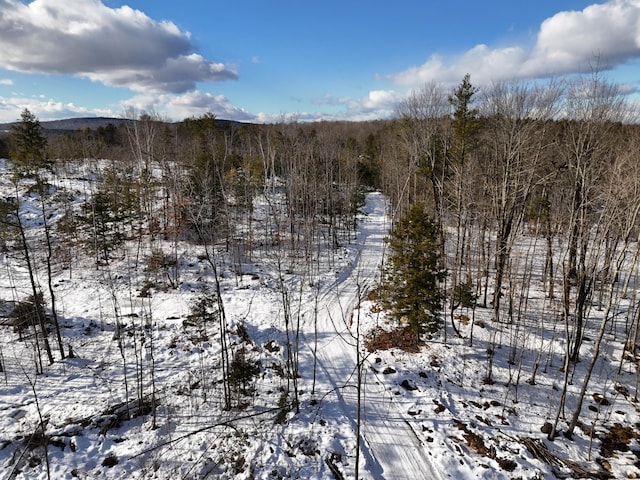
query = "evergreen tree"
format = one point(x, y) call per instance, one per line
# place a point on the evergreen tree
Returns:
point(411, 279)
point(28, 145)
point(465, 121)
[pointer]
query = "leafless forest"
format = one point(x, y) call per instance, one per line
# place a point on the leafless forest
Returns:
point(534, 188)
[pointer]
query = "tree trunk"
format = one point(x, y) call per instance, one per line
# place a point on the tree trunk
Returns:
point(34, 288)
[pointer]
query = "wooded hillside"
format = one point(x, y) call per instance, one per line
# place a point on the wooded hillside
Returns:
point(530, 196)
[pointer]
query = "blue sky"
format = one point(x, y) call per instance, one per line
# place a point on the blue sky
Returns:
point(268, 61)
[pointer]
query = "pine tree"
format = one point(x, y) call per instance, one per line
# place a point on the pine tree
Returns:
point(28, 145)
point(411, 287)
point(465, 122)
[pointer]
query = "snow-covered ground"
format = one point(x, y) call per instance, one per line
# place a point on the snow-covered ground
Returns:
point(142, 396)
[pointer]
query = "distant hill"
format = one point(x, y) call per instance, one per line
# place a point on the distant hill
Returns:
point(81, 123)
point(71, 124)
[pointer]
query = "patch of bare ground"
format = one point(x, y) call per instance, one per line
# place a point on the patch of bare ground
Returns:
point(617, 439)
point(476, 443)
point(401, 338)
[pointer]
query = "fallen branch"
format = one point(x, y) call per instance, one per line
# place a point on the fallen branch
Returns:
point(225, 423)
point(540, 451)
point(331, 461)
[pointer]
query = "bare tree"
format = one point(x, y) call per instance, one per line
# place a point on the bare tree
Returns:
point(593, 108)
point(425, 139)
point(203, 214)
point(516, 114)
point(592, 155)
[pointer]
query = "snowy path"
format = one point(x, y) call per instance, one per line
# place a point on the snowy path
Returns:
point(390, 447)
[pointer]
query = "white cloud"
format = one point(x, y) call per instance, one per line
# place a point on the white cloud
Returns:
point(375, 105)
point(6, 81)
point(115, 46)
point(190, 104)
point(177, 75)
point(46, 109)
point(197, 103)
point(379, 99)
point(600, 36)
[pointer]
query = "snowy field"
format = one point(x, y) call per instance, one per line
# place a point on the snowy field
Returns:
point(142, 396)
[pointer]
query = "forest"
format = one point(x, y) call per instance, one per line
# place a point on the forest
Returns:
point(512, 249)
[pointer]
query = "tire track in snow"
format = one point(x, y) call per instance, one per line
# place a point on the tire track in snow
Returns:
point(390, 447)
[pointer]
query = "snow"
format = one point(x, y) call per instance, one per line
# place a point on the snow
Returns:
point(425, 415)
point(389, 442)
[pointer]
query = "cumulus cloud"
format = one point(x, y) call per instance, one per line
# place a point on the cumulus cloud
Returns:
point(600, 36)
point(6, 81)
point(115, 46)
point(376, 104)
point(198, 103)
point(46, 109)
point(190, 104)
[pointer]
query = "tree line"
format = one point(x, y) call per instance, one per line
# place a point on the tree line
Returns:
point(485, 165)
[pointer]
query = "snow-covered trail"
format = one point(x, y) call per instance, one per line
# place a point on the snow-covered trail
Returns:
point(390, 448)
